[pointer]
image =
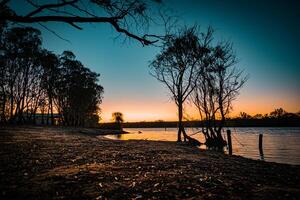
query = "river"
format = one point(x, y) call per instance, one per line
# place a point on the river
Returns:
point(280, 145)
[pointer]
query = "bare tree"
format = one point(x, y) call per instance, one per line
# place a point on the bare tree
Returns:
point(129, 17)
point(217, 86)
point(175, 66)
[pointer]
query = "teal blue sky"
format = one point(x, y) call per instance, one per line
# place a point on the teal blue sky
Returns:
point(265, 35)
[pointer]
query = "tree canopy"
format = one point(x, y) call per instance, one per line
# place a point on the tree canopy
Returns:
point(34, 80)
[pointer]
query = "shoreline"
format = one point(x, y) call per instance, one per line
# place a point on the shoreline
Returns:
point(47, 163)
point(207, 150)
point(195, 124)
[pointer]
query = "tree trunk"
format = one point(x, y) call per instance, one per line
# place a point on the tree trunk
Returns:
point(47, 118)
point(11, 104)
point(3, 102)
point(42, 117)
point(180, 123)
point(51, 111)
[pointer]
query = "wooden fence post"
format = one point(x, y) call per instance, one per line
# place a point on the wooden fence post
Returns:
point(260, 144)
point(229, 141)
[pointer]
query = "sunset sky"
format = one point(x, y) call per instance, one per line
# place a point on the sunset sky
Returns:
point(265, 37)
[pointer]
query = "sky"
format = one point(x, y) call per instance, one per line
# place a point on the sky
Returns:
point(265, 37)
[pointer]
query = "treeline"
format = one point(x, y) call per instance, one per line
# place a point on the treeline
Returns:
point(278, 113)
point(277, 118)
point(197, 124)
point(36, 84)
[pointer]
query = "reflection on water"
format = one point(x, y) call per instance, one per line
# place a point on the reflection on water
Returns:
point(280, 145)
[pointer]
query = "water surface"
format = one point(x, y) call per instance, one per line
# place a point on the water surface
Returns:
point(280, 145)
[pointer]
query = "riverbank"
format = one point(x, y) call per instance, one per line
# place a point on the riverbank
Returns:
point(58, 163)
point(268, 122)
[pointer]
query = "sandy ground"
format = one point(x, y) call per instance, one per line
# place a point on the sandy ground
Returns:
point(65, 163)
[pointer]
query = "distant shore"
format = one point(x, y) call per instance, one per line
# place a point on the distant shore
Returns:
point(229, 123)
point(57, 162)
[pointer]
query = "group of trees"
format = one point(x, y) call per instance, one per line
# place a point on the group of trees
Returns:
point(34, 80)
point(37, 81)
point(197, 69)
point(191, 65)
point(278, 113)
point(41, 81)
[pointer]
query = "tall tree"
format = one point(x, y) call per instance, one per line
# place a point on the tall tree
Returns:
point(35, 80)
point(78, 91)
point(175, 67)
point(50, 64)
point(21, 70)
point(216, 88)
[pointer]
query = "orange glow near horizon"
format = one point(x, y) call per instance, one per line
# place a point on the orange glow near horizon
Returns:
point(171, 115)
point(135, 111)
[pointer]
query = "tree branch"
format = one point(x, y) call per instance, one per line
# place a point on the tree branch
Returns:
point(71, 20)
point(46, 6)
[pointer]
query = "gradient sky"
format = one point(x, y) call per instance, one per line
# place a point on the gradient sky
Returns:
point(266, 37)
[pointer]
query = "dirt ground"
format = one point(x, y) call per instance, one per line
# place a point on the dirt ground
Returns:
point(65, 163)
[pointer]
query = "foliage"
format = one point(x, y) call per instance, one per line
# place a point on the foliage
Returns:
point(118, 118)
point(34, 80)
point(78, 94)
point(21, 73)
point(244, 115)
point(278, 113)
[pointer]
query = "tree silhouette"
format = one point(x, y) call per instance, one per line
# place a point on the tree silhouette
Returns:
point(127, 17)
point(50, 64)
point(175, 67)
point(118, 118)
point(78, 94)
point(218, 85)
point(21, 72)
point(244, 115)
point(258, 116)
point(36, 80)
point(278, 113)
